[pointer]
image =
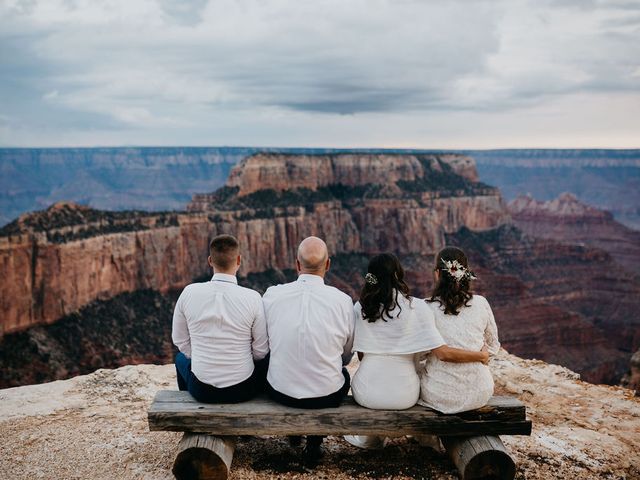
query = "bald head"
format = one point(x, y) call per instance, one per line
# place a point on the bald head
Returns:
point(313, 256)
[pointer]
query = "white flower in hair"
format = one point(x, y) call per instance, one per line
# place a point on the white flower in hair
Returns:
point(370, 278)
point(457, 270)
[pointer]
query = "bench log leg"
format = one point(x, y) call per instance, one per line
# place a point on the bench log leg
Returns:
point(204, 457)
point(480, 457)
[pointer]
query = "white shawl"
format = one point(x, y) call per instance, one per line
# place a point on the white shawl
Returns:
point(411, 329)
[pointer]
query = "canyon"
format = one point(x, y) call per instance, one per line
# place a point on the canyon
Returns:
point(128, 178)
point(70, 263)
point(606, 179)
point(165, 178)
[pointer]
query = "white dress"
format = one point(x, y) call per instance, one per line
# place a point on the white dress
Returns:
point(387, 378)
point(457, 387)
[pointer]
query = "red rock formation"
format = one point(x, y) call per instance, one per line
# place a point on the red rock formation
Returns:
point(44, 280)
point(568, 220)
point(287, 172)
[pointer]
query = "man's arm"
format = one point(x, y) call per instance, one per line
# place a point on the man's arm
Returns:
point(180, 329)
point(260, 341)
point(347, 353)
point(458, 355)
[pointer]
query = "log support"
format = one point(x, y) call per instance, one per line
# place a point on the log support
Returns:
point(204, 457)
point(480, 457)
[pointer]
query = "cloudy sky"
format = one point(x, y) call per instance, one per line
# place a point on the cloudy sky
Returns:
point(334, 73)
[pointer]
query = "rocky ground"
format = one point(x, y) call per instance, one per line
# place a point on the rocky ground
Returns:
point(94, 427)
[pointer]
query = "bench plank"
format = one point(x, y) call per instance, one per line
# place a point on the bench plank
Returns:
point(179, 411)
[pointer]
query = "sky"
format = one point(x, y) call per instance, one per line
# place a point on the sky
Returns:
point(464, 74)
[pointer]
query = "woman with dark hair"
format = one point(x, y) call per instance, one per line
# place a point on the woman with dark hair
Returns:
point(391, 328)
point(465, 321)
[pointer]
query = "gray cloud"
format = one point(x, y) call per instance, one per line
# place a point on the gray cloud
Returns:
point(204, 71)
point(184, 12)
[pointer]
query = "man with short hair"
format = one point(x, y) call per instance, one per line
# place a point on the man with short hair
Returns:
point(311, 329)
point(220, 330)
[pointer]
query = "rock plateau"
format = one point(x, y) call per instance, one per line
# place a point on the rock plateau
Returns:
point(95, 427)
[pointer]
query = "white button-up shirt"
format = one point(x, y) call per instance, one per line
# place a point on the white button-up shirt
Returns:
point(310, 327)
point(222, 327)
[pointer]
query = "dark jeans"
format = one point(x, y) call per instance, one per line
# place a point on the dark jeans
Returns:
point(203, 392)
point(329, 401)
point(332, 400)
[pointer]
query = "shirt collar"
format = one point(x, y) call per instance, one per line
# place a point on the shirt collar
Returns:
point(311, 279)
point(224, 277)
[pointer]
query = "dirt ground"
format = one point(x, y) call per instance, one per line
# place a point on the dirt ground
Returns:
point(95, 427)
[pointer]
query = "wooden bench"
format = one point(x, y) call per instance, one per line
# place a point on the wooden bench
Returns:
point(207, 447)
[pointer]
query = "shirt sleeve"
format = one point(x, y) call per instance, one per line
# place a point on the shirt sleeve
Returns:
point(347, 352)
point(180, 329)
point(357, 312)
point(491, 331)
point(260, 341)
point(267, 299)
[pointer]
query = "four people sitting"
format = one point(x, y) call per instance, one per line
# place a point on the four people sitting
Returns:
point(301, 335)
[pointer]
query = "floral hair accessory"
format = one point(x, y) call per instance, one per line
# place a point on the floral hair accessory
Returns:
point(457, 270)
point(371, 278)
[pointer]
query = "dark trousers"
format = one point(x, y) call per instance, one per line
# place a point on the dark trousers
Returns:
point(203, 392)
point(332, 400)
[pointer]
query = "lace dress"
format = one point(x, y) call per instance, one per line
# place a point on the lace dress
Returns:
point(457, 387)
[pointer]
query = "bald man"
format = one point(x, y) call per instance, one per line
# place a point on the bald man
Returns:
point(310, 327)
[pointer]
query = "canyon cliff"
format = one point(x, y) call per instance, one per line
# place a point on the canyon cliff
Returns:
point(567, 220)
point(71, 259)
point(57, 261)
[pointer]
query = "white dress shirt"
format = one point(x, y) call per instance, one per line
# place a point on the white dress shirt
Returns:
point(310, 328)
point(222, 327)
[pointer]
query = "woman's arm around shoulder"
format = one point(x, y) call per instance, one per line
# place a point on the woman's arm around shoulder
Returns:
point(459, 355)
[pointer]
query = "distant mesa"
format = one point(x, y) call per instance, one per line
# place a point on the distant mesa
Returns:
point(280, 172)
point(606, 179)
point(266, 180)
point(565, 206)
